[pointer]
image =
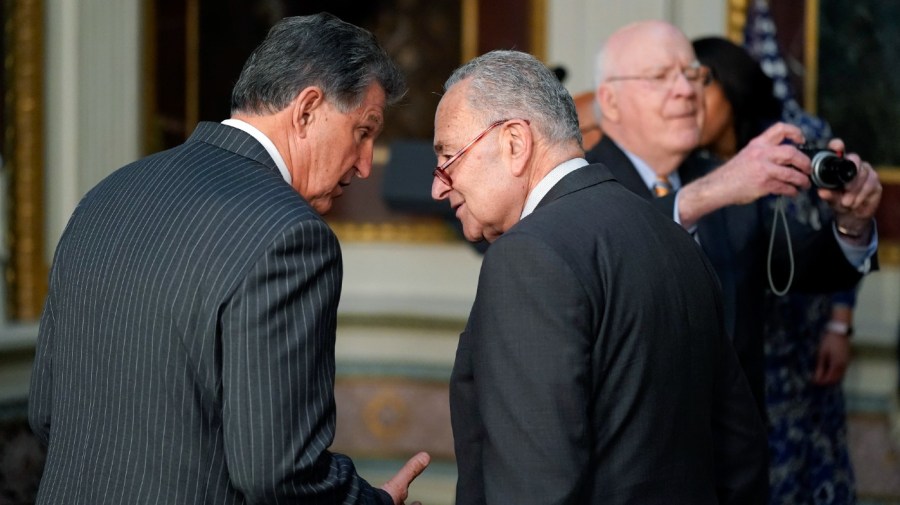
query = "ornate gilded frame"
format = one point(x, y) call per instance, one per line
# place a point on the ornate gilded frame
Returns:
point(26, 270)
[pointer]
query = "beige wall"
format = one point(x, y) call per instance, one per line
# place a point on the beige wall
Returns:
point(93, 126)
point(577, 28)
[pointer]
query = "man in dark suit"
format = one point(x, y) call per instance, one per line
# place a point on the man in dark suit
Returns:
point(594, 367)
point(186, 349)
point(650, 96)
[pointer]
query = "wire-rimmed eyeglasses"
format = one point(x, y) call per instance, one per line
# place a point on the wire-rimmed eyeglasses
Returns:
point(695, 74)
point(441, 170)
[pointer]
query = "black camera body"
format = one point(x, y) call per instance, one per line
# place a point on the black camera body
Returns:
point(829, 170)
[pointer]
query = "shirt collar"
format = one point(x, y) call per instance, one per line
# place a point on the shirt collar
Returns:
point(266, 143)
point(647, 174)
point(547, 183)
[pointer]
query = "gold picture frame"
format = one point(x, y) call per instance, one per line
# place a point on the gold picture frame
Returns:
point(23, 145)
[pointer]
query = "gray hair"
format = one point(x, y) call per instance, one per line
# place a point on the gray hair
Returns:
point(515, 85)
point(318, 50)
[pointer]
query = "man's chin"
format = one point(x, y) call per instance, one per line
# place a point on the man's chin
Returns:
point(480, 236)
point(490, 238)
point(322, 206)
point(687, 140)
point(472, 234)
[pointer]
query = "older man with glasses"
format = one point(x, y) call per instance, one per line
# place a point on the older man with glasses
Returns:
point(650, 91)
point(594, 367)
point(186, 349)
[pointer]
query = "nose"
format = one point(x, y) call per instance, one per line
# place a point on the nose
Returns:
point(364, 164)
point(683, 86)
point(439, 190)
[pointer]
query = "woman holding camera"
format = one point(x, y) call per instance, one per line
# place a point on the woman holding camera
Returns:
point(806, 336)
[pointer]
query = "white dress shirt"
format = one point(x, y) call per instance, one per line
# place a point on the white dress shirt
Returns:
point(547, 183)
point(265, 141)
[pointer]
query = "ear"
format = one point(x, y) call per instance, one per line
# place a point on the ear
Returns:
point(609, 103)
point(304, 108)
point(517, 144)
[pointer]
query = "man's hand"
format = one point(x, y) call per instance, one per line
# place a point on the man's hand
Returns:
point(398, 486)
point(855, 205)
point(767, 165)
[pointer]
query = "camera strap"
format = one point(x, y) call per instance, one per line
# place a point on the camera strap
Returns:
point(780, 204)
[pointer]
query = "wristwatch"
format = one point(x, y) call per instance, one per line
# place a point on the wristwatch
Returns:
point(839, 327)
point(847, 232)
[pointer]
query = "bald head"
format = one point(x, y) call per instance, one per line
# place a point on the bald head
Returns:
point(650, 93)
point(626, 44)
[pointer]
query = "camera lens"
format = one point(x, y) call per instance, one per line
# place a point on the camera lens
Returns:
point(830, 171)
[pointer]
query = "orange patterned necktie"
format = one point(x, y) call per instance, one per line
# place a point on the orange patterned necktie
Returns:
point(662, 186)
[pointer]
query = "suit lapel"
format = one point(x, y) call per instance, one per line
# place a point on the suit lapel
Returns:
point(620, 166)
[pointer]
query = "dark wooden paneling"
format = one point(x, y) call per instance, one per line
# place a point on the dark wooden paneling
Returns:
point(504, 24)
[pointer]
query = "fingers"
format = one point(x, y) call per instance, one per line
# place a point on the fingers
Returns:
point(788, 156)
point(781, 162)
point(859, 199)
point(398, 486)
point(836, 145)
point(821, 367)
point(831, 359)
point(779, 132)
point(827, 370)
point(413, 468)
point(864, 191)
point(782, 188)
point(761, 169)
point(785, 170)
point(769, 164)
point(794, 172)
point(829, 374)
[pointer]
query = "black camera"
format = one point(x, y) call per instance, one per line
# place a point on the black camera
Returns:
point(829, 170)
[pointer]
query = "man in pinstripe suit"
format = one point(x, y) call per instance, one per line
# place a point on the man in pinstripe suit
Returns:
point(186, 349)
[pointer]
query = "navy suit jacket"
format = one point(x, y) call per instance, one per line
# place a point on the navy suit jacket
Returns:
point(186, 349)
point(736, 241)
point(594, 367)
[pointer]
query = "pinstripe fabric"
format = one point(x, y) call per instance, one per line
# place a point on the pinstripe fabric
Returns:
point(186, 350)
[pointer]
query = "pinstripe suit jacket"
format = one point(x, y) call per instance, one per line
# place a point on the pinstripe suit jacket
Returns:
point(186, 349)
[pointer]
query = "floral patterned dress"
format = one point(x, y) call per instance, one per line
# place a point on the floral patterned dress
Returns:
point(810, 462)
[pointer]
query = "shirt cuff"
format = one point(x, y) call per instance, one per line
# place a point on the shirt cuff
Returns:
point(677, 217)
point(859, 256)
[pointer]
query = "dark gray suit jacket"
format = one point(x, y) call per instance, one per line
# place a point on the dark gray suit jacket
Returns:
point(736, 241)
point(186, 349)
point(595, 368)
